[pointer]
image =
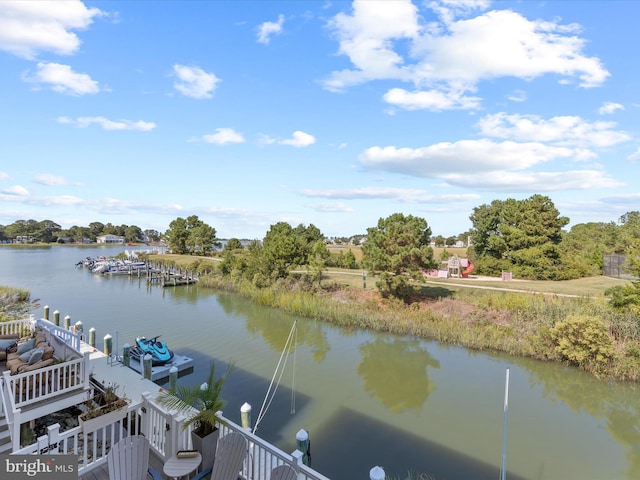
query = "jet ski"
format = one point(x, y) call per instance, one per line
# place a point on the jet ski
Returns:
point(160, 353)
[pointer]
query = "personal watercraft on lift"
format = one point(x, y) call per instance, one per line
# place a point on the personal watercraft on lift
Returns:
point(160, 353)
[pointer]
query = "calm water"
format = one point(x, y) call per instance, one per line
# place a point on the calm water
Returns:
point(366, 399)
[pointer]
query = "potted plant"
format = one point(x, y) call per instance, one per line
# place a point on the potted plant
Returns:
point(105, 407)
point(200, 404)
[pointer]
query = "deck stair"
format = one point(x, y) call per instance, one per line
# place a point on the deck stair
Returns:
point(5, 437)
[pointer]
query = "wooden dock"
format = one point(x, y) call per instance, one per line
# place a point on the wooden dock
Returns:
point(181, 362)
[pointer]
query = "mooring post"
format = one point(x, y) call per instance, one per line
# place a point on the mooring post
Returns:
point(45, 313)
point(126, 354)
point(56, 318)
point(108, 344)
point(173, 377)
point(79, 327)
point(146, 364)
point(67, 322)
point(92, 337)
point(304, 445)
point(245, 416)
point(376, 473)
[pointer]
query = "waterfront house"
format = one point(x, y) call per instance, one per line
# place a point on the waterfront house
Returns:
point(110, 238)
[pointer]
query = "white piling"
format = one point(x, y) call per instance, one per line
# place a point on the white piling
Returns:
point(108, 344)
point(173, 377)
point(67, 322)
point(45, 313)
point(377, 473)
point(302, 440)
point(245, 416)
point(146, 364)
point(126, 354)
point(92, 337)
point(503, 467)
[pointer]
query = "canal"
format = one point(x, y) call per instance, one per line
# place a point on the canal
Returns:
point(366, 399)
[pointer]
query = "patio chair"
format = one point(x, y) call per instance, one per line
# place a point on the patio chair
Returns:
point(283, 472)
point(230, 455)
point(128, 459)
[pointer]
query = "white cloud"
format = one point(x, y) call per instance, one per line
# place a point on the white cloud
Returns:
point(4, 176)
point(405, 195)
point(465, 156)
point(330, 207)
point(610, 107)
point(434, 100)
point(266, 29)
point(29, 27)
point(634, 157)
point(560, 130)
point(391, 41)
point(16, 190)
point(62, 79)
point(194, 82)
point(300, 139)
point(517, 96)
point(49, 179)
point(534, 181)
point(106, 124)
point(223, 136)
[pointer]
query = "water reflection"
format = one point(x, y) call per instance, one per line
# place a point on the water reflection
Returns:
point(274, 327)
point(395, 371)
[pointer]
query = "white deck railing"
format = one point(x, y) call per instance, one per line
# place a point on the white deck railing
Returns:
point(48, 382)
point(166, 435)
point(70, 338)
point(21, 327)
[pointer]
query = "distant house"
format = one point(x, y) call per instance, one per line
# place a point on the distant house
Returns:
point(24, 239)
point(110, 239)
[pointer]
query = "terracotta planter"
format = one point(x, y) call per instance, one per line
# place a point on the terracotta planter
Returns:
point(206, 446)
point(96, 423)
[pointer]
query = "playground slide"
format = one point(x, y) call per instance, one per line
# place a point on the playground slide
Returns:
point(468, 270)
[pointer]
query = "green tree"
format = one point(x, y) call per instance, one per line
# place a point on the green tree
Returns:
point(284, 248)
point(398, 250)
point(628, 296)
point(132, 234)
point(153, 235)
point(519, 235)
point(233, 244)
point(190, 236)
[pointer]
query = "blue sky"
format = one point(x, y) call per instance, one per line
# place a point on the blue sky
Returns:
point(247, 113)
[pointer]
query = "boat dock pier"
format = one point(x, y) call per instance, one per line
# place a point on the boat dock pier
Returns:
point(183, 363)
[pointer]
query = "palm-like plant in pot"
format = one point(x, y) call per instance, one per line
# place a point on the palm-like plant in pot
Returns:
point(200, 403)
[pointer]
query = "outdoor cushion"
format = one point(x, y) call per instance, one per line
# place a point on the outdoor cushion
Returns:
point(48, 353)
point(36, 356)
point(26, 346)
point(25, 356)
point(6, 343)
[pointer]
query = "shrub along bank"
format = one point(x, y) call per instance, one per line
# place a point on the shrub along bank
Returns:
point(583, 332)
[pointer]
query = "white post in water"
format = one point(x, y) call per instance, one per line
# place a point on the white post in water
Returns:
point(56, 318)
point(503, 467)
point(376, 473)
point(245, 416)
point(126, 354)
point(108, 344)
point(146, 366)
point(173, 377)
point(302, 439)
point(45, 313)
point(67, 322)
point(92, 337)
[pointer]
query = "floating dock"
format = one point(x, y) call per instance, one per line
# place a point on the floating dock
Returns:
point(181, 362)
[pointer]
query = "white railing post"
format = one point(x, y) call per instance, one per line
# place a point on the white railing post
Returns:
point(53, 435)
point(86, 380)
point(15, 437)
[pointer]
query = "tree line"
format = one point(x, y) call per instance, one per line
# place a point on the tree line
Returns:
point(525, 237)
